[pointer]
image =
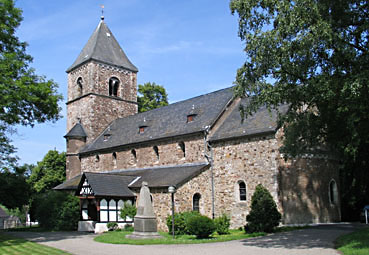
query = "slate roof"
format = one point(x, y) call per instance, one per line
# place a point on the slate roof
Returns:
point(164, 122)
point(3, 214)
point(262, 121)
point(163, 177)
point(103, 47)
point(117, 183)
point(76, 131)
point(71, 184)
point(110, 185)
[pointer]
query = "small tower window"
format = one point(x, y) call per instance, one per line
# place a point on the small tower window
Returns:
point(182, 147)
point(80, 86)
point(97, 158)
point(113, 86)
point(156, 150)
point(196, 202)
point(242, 190)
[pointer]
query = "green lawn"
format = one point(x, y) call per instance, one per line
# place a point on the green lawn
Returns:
point(10, 245)
point(356, 243)
point(118, 237)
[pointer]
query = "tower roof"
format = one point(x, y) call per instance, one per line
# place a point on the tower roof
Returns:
point(77, 131)
point(103, 47)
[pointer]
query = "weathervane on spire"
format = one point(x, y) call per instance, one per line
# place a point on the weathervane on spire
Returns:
point(102, 11)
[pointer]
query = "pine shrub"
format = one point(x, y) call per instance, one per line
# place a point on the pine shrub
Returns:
point(200, 226)
point(264, 216)
point(222, 224)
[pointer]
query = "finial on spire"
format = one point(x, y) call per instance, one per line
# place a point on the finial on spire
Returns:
point(102, 11)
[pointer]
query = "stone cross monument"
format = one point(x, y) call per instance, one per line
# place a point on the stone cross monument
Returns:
point(145, 225)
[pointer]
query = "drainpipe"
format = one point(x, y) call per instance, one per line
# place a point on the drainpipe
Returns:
point(210, 159)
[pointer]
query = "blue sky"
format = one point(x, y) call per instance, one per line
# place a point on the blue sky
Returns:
point(190, 47)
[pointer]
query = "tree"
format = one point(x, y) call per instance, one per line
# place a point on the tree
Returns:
point(313, 56)
point(151, 96)
point(25, 98)
point(14, 190)
point(264, 215)
point(49, 172)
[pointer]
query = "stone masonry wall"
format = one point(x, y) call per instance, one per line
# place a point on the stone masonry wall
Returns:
point(95, 77)
point(162, 202)
point(170, 153)
point(251, 160)
point(97, 111)
point(304, 190)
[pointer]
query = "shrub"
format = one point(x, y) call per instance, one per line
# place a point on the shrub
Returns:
point(200, 226)
point(56, 210)
point(128, 227)
point(180, 222)
point(222, 224)
point(112, 226)
point(264, 216)
point(128, 210)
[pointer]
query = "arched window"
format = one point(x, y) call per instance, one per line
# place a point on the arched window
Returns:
point(114, 159)
point(156, 150)
point(113, 86)
point(242, 190)
point(182, 146)
point(97, 158)
point(333, 192)
point(80, 86)
point(196, 202)
point(134, 155)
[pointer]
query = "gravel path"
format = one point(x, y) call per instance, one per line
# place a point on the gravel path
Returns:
point(315, 240)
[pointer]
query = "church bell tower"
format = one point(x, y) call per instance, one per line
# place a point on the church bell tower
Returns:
point(102, 87)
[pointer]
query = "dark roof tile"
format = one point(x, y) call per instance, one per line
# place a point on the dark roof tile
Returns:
point(103, 47)
point(164, 122)
point(76, 131)
point(261, 121)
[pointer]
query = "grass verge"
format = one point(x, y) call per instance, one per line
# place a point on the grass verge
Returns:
point(11, 246)
point(355, 243)
point(118, 237)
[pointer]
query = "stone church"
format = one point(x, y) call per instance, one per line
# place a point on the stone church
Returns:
point(199, 145)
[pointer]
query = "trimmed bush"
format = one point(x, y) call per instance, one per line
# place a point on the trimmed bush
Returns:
point(56, 210)
point(200, 226)
point(264, 216)
point(128, 227)
point(180, 222)
point(222, 224)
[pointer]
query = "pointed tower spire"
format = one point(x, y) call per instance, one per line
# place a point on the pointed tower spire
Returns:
point(104, 48)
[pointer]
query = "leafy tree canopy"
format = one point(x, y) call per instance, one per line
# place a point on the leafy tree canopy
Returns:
point(151, 96)
point(14, 189)
point(25, 98)
point(312, 55)
point(49, 172)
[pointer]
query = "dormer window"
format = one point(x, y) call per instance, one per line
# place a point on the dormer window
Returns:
point(113, 86)
point(106, 137)
point(141, 129)
point(191, 117)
